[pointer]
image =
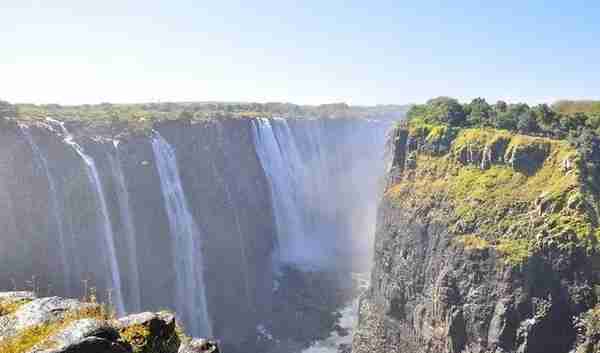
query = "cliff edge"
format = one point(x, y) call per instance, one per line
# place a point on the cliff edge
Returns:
point(60, 325)
point(486, 241)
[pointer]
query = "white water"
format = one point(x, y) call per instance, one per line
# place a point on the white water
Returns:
point(323, 187)
point(281, 162)
point(105, 224)
point(348, 321)
point(133, 294)
point(190, 301)
point(56, 209)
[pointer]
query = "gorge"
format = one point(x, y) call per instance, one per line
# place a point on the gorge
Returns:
point(257, 230)
point(225, 221)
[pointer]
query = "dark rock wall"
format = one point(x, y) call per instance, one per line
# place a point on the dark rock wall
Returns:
point(226, 189)
point(23, 197)
point(227, 192)
point(229, 197)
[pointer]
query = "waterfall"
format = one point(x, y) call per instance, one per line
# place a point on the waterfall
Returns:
point(190, 301)
point(323, 185)
point(55, 208)
point(105, 223)
point(280, 161)
point(133, 294)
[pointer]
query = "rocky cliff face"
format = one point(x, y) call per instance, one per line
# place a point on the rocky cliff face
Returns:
point(208, 154)
point(82, 208)
point(486, 242)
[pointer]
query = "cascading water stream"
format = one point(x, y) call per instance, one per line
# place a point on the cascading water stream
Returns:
point(323, 180)
point(56, 210)
point(133, 293)
point(105, 223)
point(190, 302)
point(279, 158)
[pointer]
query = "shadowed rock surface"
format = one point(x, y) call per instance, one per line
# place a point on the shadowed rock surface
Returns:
point(86, 335)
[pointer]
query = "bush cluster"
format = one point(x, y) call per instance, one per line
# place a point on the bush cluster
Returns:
point(576, 121)
point(557, 121)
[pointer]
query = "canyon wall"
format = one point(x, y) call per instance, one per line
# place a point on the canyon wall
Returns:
point(207, 217)
point(485, 242)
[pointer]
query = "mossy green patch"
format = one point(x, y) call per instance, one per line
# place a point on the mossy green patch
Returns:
point(473, 242)
point(513, 210)
point(39, 335)
point(478, 138)
point(514, 251)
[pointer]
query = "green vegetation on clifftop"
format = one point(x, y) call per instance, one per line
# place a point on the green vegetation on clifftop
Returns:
point(141, 117)
point(512, 192)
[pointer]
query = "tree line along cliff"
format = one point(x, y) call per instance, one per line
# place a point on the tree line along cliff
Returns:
point(114, 119)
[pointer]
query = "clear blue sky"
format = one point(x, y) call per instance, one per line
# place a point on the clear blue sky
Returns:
point(360, 52)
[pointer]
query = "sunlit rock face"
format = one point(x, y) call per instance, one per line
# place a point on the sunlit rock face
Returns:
point(440, 284)
point(252, 199)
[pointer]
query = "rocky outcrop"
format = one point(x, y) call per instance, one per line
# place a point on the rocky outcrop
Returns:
point(85, 335)
point(465, 258)
point(38, 312)
point(59, 325)
point(199, 345)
